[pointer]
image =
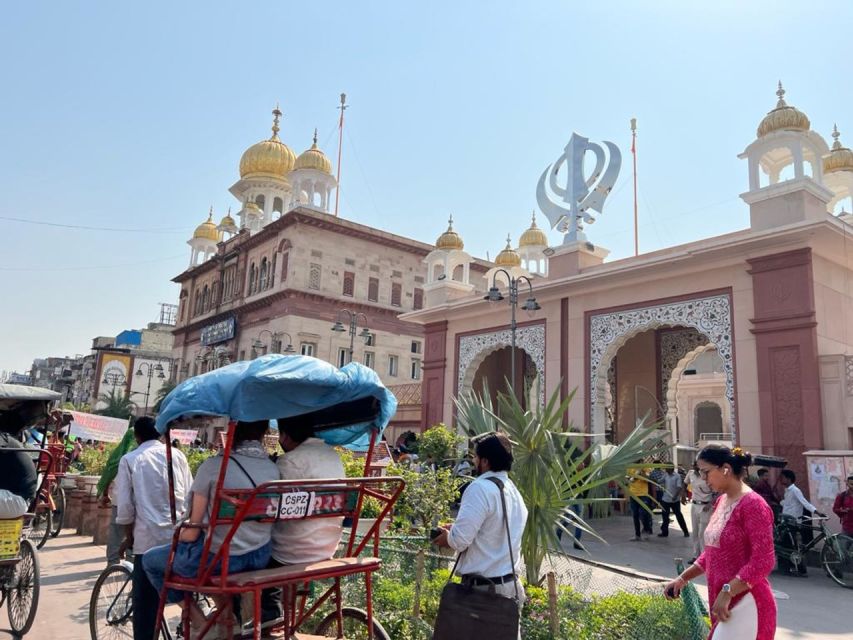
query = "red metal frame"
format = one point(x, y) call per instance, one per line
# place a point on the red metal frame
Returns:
point(254, 504)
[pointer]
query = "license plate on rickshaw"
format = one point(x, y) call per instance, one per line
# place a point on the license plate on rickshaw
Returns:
point(297, 504)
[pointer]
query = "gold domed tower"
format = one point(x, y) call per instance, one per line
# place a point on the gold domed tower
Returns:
point(269, 158)
point(838, 175)
point(205, 238)
point(783, 118)
point(312, 178)
point(531, 248)
point(450, 240)
point(508, 258)
point(228, 225)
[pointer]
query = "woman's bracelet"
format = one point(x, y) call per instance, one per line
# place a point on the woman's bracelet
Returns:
point(684, 582)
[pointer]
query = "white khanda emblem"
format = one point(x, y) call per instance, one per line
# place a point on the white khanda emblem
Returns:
point(568, 208)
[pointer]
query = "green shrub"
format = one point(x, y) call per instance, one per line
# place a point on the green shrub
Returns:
point(92, 460)
point(195, 458)
point(439, 443)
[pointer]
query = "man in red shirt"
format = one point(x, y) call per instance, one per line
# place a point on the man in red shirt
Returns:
point(843, 507)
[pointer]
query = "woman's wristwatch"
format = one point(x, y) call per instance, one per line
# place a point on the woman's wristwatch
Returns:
point(727, 588)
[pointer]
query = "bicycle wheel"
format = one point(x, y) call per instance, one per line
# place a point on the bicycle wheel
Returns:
point(41, 526)
point(837, 559)
point(58, 495)
point(354, 627)
point(787, 549)
point(111, 604)
point(23, 590)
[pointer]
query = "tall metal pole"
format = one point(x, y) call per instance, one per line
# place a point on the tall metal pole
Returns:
point(634, 155)
point(343, 108)
point(148, 390)
point(352, 328)
point(513, 302)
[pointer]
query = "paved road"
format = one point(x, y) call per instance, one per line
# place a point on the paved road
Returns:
point(815, 607)
point(809, 608)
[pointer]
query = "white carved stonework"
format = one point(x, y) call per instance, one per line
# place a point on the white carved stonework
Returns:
point(674, 345)
point(710, 316)
point(473, 349)
point(849, 365)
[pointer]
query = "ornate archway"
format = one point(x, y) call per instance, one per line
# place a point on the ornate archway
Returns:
point(671, 386)
point(474, 349)
point(608, 331)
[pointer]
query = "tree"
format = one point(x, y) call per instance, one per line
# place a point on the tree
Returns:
point(118, 405)
point(162, 392)
point(439, 443)
point(550, 469)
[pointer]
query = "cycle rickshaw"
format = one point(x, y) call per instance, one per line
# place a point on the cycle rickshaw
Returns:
point(19, 565)
point(344, 407)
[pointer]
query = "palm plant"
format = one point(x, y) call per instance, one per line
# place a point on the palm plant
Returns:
point(550, 470)
point(118, 405)
point(162, 392)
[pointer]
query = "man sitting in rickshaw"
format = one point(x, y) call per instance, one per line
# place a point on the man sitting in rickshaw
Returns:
point(18, 478)
point(296, 541)
point(248, 467)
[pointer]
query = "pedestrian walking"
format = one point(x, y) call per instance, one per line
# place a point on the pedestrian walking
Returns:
point(673, 487)
point(843, 507)
point(641, 501)
point(487, 532)
point(738, 553)
point(763, 488)
point(142, 503)
point(701, 505)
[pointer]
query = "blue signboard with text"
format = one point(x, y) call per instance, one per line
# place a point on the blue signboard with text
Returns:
point(221, 331)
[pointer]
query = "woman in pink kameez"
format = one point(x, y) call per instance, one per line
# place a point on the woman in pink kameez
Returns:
point(738, 554)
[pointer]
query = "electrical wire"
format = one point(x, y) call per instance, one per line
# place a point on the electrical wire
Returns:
point(63, 225)
point(104, 266)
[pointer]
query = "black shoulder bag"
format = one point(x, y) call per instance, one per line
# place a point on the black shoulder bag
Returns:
point(465, 613)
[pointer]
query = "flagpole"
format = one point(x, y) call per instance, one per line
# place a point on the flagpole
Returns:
point(343, 108)
point(634, 154)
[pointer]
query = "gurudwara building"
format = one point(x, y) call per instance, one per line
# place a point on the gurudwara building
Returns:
point(743, 338)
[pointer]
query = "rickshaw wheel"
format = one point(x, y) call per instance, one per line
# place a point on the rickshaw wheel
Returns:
point(355, 626)
point(111, 604)
point(23, 590)
point(58, 494)
point(41, 526)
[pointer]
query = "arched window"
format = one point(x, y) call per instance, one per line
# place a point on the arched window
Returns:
point(253, 276)
point(262, 282)
point(205, 299)
point(278, 205)
point(196, 303)
point(272, 270)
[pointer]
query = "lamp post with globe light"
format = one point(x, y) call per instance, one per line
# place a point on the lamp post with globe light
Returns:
point(147, 369)
point(530, 305)
point(352, 320)
point(275, 338)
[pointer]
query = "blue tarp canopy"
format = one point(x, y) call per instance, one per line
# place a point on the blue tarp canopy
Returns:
point(278, 386)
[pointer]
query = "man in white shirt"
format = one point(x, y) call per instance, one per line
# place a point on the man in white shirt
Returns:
point(673, 486)
point(294, 541)
point(142, 506)
point(794, 504)
point(701, 506)
point(479, 533)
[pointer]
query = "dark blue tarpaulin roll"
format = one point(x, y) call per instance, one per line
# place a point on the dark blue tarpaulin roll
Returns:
point(279, 386)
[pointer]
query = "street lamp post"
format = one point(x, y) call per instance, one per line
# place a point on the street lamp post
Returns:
point(352, 319)
point(258, 344)
point(149, 371)
point(530, 305)
point(114, 379)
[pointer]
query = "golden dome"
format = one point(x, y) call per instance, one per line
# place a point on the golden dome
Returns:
point(840, 158)
point(313, 158)
point(269, 157)
point(207, 230)
point(450, 240)
point(508, 257)
point(252, 208)
point(227, 222)
point(534, 236)
point(783, 117)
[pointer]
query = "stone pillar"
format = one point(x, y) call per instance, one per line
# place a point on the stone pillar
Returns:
point(786, 351)
point(73, 508)
point(434, 367)
point(88, 516)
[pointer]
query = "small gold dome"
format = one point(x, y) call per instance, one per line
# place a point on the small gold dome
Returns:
point(783, 118)
point(450, 240)
point(840, 158)
point(534, 236)
point(269, 157)
point(227, 222)
point(207, 230)
point(252, 208)
point(508, 257)
point(313, 158)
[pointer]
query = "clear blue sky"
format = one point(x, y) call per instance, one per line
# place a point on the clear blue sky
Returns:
point(135, 117)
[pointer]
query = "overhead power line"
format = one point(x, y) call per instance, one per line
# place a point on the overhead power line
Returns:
point(63, 225)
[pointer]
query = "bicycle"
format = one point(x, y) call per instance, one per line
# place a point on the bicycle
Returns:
point(836, 556)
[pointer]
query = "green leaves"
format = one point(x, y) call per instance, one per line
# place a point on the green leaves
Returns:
point(552, 469)
point(118, 405)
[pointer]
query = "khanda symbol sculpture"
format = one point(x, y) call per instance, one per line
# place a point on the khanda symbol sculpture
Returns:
point(569, 207)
